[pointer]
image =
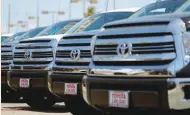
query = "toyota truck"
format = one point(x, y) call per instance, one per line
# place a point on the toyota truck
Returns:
point(140, 63)
point(6, 59)
point(32, 63)
point(7, 49)
point(72, 60)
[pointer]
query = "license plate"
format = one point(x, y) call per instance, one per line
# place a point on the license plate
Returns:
point(70, 88)
point(24, 83)
point(119, 99)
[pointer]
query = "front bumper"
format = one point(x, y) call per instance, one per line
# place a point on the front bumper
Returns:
point(56, 83)
point(4, 85)
point(38, 79)
point(4, 77)
point(159, 93)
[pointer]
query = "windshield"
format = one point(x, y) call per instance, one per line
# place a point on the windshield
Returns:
point(55, 28)
point(160, 7)
point(14, 37)
point(96, 21)
point(31, 33)
point(185, 7)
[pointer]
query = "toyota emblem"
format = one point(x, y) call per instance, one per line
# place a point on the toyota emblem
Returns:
point(124, 50)
point(75, 54)
point(27, 54)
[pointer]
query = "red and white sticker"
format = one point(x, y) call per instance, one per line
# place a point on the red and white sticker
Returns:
point(119, 99)
point(70, 88)
point(24, 83)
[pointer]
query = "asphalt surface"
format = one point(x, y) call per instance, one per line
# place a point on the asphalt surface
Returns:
point(18, 108)
point(24, 109)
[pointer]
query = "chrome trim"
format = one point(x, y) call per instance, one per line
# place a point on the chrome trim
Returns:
point(6, 61)
point(71, 60)
point(73, 48)
point(160, 39)
point(49, 80)
point(9, 79)
point(176, 96)
point(7, 53)
point(33, 50)
point(70, 69)
point(58, 68)
point(85, 91)
point(32, 59)
point(47, 67)
point(135, 57)
point(71, 41)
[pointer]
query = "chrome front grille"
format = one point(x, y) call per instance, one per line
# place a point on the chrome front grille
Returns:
point(138, 48)
point(33, 52)
point(6, 56)
point(145, 43)
point(67, 54)
point(64, 57)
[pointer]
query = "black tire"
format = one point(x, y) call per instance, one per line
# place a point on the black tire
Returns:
point(80, 107)
point(40, 102)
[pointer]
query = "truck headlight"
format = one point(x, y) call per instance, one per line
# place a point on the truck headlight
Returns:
point(93, 40)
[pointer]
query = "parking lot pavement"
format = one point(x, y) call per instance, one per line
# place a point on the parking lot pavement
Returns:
point(24, 109)
point(58, 109)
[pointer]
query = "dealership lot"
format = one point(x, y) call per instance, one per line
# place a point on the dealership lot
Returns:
point(58, 109)
point(24, 109)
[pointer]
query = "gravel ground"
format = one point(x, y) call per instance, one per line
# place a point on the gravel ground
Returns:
point(24, 109)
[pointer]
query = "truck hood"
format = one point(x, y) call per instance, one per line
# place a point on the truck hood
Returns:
point(163, 17)
point(50, 37)
point(10, 43)
point(85, 33)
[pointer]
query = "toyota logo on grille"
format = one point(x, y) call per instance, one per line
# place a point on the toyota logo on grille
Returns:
point(27, 54)
point(75, 54)
point(124, 49)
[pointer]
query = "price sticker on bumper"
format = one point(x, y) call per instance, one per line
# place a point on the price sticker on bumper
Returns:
point(119, 99)
point(24, 83)
point(71, 88)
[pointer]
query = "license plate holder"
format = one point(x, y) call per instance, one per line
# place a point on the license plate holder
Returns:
point(70, 89)
point(119, 99)
point(24, 83)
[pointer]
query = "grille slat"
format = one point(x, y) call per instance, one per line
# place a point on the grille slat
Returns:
point(137, 35)
point(33, 52)
point(74, 44)
point(32, 47)
point(6, 57)
point(6, 54)
point(73, 63)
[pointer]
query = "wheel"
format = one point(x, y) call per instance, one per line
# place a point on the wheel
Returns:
point(40, 102)
point(80, 107)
